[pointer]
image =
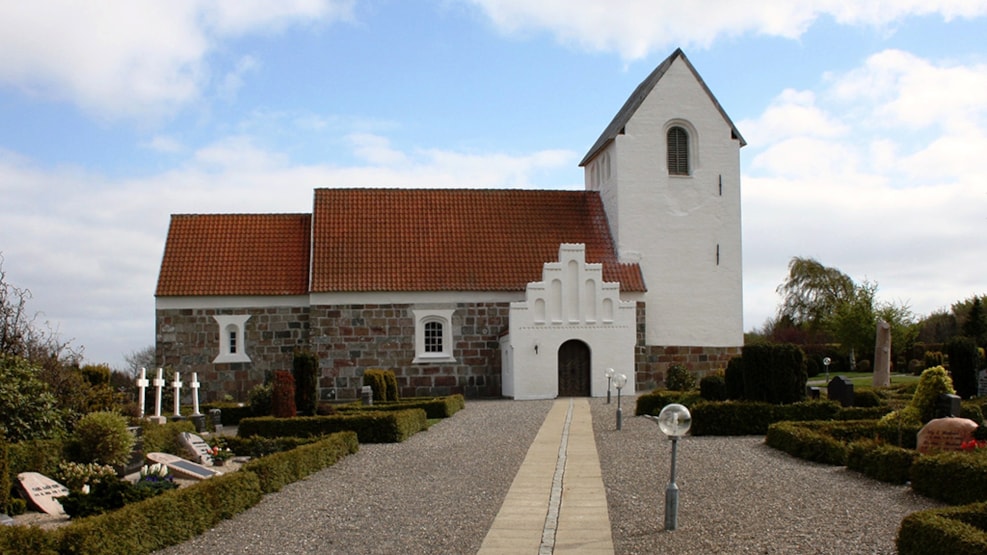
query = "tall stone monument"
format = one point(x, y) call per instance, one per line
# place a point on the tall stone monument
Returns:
point(882, 355)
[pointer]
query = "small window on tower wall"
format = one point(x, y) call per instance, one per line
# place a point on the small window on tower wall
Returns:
point(231, 334)
point(678, 151)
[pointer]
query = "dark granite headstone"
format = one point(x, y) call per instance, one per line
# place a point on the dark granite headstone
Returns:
point(840, 389)
point(947, 406)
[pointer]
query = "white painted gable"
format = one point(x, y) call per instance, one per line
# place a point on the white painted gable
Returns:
point(571, 302)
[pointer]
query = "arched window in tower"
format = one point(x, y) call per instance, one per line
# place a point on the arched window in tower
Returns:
point(678, 151)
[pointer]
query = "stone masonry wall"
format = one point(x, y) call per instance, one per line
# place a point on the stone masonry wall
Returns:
point(350, 339)
point(187, 340)
point(652, 361)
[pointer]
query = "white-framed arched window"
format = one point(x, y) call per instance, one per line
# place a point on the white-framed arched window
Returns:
point(231, 342)
point(433, 335)
point(680, 148)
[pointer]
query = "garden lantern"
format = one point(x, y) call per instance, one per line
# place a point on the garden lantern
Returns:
point(609, 375)
point(674, 421)
point(618, 381)
point(826, 362)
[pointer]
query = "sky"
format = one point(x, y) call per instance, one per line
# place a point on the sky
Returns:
point(866, 125)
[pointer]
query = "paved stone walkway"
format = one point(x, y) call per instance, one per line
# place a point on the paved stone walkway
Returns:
point(557, 503)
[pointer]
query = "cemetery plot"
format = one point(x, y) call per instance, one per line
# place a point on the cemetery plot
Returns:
point(196, 446)
point(183, 468)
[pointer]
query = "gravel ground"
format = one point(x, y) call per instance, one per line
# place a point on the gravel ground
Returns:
point(439, 493)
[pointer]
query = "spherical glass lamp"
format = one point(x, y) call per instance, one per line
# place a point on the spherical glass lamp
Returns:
point(674, 420)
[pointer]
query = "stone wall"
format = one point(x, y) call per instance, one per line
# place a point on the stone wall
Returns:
point(187, 340)
point(349, 339)
point(652, 361)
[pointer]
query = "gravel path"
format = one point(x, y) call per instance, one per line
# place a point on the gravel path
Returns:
point(439, 492)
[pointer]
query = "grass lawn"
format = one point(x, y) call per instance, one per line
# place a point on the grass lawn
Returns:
point(861, 379)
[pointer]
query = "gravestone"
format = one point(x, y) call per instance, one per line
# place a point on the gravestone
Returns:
point(196, 446)
point(183, 468)
point(981, 383)
point(947, 406)
point(944, 434)
point(882, 355)
point(812, 393)
point(5, 520)
point(42, 491)
point(840, 389)
point(216, 417)
point(367, 395)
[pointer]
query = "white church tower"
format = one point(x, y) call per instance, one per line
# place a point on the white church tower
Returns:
point(668, 171)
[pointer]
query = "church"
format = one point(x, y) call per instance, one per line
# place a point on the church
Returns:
point(525, 294)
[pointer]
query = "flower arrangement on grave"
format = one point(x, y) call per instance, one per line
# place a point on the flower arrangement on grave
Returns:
point(155, 473)
point(108, 494)
point(220, 453)
point(973, 445)
point(82, 477)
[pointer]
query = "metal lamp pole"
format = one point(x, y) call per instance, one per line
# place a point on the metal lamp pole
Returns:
point(674, 421)
point(609, 375)
point(618, 381)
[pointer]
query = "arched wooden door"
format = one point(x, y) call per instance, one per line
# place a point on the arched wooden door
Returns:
point(574, 369)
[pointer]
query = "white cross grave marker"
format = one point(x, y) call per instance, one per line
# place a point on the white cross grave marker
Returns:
point(158, 384)
point(177, 384)
point(142, 384)
point(195, 393)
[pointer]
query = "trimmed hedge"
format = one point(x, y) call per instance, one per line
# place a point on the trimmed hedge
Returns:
point(652, 403)
point(732, 418)
point(383, 383)
point(178, 515)
point(954, 477)
point(279, 469)
point(954, 530)
point(370, 427)
point(439, 407)
point(879, 461)
point(806, 443)
point(231, 413)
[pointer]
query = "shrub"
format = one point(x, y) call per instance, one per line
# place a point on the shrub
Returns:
point(74, 475)
point(962, 352)
point(806, 443)
point(731, 418)
point(863, 366)
point(371, 427)
point(866, 398)
point(953, 530)
point(305, 369)
point(652, 403)
point(734, 378)
point(283, 397)
point(102, 437)
point(259, 399)
point(274, 471)
point(28, 410)
point(5, 482)
point(879, 461)
point(953, 477)
point(713, 387)
point(931, 384)
point(679, 378)
point(383, 383)
point(932, 359)
point(164, 437)
point(774, 373)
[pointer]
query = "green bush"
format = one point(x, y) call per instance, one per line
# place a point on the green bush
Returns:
point(679, 378)
point(652, 403)
point(953, 530)
point(932, 359)
point(713, 387)
point(439, 407)
point(102, 437)
point(931, 384)
point(232, 412)
point(163, 438)
point(734, 378)
point(38, 455)
point(277, 470)
point(731, 418)
point(27, 539)
point(963, 363)
point(880, 461)
point(305, 369)
point(370, 427)
point(806, 443)
point(383, 383)
point(774, 373)
point(5, 477)
point(866, 398)
point(28, 410)
point(953, 477)
point(259, 399)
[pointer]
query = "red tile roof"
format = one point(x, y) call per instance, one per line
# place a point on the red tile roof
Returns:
point(379, 240)
point(236, 254)
point(454, 240)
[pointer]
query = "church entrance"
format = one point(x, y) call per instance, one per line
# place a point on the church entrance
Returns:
point(574, 369)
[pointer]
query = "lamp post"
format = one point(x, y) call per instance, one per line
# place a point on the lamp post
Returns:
point(826, 362)
point(609, 375)
point(674, 421)
point(618, 381)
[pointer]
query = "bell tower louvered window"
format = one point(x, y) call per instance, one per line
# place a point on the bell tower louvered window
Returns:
point(678, 151)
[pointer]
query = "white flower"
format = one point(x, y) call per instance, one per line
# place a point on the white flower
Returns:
point(85, 489)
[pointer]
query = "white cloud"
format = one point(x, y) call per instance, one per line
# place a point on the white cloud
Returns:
point(635, 28)
point(139, 59)
point(873, 196)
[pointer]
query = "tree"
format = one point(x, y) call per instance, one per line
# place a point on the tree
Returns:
point(143, 358)
point(811, 292)
point(22, 336)
point(28, 410)
point(975, 324)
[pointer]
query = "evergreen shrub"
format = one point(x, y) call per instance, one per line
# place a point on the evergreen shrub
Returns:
point(880, 461)
point(653, 402)
point(806, 443)
point(713, 387)
point(774, 373)
point(279, 469)
point(734, 378)
point(102, 437)
point(383, 383)
point(679, 378)
point(163, 438)
point(963, 362)
point(283, 397)
point(954, 530)
point(953, 477)
point(370, 427)
point(259, 399)
point(305, 369)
